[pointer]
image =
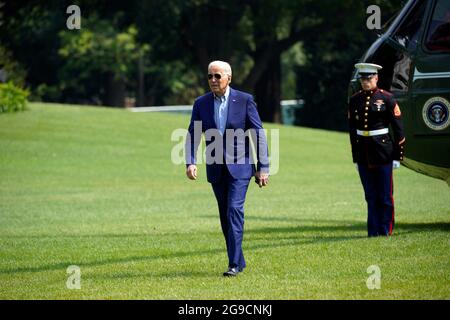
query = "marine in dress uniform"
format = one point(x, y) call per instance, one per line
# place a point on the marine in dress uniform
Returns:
point(377, 139)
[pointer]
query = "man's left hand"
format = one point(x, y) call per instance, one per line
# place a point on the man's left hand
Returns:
point(262, 179)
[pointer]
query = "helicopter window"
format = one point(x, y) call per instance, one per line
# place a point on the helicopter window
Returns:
point(408, 32)
point(438, 36)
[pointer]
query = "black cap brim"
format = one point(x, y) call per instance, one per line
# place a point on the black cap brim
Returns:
point(365, 75)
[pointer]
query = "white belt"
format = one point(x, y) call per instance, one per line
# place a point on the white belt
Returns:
point(372, 133)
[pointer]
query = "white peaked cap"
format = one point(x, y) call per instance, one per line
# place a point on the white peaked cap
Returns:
point(368, 68)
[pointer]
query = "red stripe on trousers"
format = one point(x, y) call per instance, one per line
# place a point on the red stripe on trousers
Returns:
point(393, 210)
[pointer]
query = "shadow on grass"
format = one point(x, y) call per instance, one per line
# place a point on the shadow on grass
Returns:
point(345, 224)
point(420, 227)
point(167, 275)
point(298, 240)
point(290, 236)
point(356, 226)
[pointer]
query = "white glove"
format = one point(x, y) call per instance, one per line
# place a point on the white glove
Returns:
point(395, 164)
point(357, 168)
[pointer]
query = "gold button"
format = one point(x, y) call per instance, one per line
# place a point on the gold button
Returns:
point(365, 126)
point(367, 102)
point(365, 120)
point(401, 158)
point(366, 114)
point(368, 97)
point(401, 152)
point(384, 140)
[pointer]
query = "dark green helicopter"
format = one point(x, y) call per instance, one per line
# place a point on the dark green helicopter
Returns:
point(415, 55)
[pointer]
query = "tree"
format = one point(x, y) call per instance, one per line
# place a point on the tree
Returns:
point(100, 51)
point(162, 59)
point(261, 30)
point(275, 30)
point(330, 58)
point(10, 69)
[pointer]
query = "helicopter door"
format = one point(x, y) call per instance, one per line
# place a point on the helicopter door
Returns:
point(430, 91)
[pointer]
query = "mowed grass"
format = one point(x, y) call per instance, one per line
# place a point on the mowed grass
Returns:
point(96, 188)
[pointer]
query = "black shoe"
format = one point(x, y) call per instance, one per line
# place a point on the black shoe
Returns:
point(232, 272)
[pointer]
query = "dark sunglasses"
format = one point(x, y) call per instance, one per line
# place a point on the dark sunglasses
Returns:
point(217, 76)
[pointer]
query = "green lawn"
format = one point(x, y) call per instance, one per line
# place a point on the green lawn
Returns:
point(95, 187)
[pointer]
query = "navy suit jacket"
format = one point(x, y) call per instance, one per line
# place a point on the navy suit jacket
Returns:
point(242, 114)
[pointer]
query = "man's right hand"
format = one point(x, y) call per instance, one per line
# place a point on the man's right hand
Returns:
point(191, 172)
point(395, 164)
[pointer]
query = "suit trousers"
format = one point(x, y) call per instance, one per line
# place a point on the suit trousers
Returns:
point(378, 190)
point(230, 195)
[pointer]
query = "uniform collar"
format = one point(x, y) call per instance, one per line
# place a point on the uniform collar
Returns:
point(370, 92)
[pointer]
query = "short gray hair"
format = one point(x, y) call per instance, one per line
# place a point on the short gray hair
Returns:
point(224, 65)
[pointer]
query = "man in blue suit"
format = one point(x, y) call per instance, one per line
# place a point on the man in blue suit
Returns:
point(228, 116)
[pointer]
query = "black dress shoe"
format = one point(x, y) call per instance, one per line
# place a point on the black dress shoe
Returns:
point(232, 272)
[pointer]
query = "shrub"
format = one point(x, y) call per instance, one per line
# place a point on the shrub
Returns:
point(12, 98)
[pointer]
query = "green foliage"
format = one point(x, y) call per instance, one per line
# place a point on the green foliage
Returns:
point(98, 50)
point(182, 82)
point(290, 60)
point(158, 50)
point(30, 32)
point(43, 92)
point(12, 98)
point(330, 58)
point(98, 47)
point(14, 71)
